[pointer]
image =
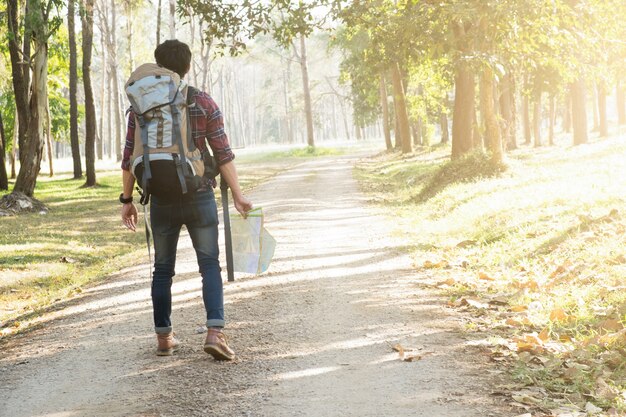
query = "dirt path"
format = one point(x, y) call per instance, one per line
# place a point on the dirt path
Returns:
point(314, 335)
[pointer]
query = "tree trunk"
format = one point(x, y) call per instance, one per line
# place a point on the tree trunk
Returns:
point(110, 134)
point(603, 123)
point(567, 113)
point(49, 137)
point(357, 132)
point(594, 102)
point(12, 155)
point(307, 93)
point(579, 112)
point(129, 33)
point(477, 142)
point(512, 141)
point(443, 122)
point(32, 149)
point(116, 87)
point(4, 181)
point(397, 137)
point(20, 76)
point(552, 120)
point(103, 95)
point(489, 116)
point(90, 110)
point(78, 170)
point(526, 120)
point(537, 119)
point(505, 110)
point(464, 110)
point(172, 19)
point(621, 103)
point(384, 104)
point(158, 24)
point(400, 108)
point(416, 133)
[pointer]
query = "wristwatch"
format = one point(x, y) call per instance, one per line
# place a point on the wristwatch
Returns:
point(125, 200)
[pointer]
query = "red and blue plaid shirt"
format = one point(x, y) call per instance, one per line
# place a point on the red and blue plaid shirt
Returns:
point(207, 125)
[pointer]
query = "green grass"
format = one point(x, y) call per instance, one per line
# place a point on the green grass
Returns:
point(47, 257)
point(549, 208)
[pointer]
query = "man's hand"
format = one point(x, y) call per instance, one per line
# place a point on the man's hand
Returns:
point(129, 216)
point(243, 205)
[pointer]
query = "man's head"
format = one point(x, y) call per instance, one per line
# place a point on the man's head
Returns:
point(174, 55)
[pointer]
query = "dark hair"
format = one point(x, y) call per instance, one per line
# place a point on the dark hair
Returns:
point(173, 55)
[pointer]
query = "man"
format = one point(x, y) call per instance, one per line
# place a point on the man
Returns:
point(197, 210)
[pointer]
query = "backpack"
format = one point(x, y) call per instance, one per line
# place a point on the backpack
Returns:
point(165, 160)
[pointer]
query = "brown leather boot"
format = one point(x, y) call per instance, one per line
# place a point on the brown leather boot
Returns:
point(215, 345)
point(167, 344)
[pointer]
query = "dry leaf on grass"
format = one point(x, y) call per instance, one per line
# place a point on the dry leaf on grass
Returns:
point(610, 325)
point(484, 276)
point(472, 302)
point(449, 282)
point(559, 315)
point(439, 265)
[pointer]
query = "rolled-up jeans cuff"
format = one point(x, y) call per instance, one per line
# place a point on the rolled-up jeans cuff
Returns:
point(215, 323)
point(163, 330)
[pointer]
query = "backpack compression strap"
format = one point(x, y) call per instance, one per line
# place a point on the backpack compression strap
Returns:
point(147, 173)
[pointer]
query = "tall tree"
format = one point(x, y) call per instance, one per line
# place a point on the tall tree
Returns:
point(4, 181)
point(464, 94)
point(579, 112)
point(400, 108)
point(306, 90)
point(30, 97)
point(73, 81)
point(90, 110)
point(385, 112)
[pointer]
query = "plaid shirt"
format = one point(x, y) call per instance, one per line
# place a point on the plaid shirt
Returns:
point(207, 124)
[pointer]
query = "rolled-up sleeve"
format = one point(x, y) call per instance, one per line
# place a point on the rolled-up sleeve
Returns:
point(129, 145)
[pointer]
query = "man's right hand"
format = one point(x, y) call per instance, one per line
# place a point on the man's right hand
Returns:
point(129, 216)
point(243, 205)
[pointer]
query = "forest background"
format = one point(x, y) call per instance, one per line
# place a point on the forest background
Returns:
point(457, 91)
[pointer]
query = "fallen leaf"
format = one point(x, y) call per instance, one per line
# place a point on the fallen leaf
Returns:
point(525, 399)
point(449, 281)
point(465, 243)
point(519, 308)
point(500, 300)
point(544, 335)
point(605, 391)
point(592, 409)
point(484, 276)
point(531, 284)
point(398, 348)
point(610, 325)
point(412, 358)
point(559, 315)
point(474, 303)
point(440, 264)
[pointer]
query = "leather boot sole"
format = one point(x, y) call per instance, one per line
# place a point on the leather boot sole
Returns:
point(167, 352)
point(218, 353)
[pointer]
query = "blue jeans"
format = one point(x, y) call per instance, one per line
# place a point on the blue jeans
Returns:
point(198, 212)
